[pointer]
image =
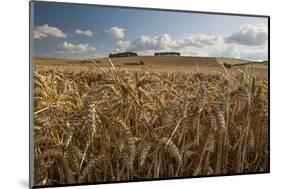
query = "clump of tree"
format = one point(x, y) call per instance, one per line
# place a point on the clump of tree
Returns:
point(167, 54)
point(135, 63)
point(123, 54)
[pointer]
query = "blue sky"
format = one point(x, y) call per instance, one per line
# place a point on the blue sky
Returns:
point(79, 31)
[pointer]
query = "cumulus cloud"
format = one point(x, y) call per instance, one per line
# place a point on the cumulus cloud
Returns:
point(234, 51)
point(67, 47)
point(200, 41)
point(46, 30)
point(165, 42)
point(116, 32)
point(123, 46)
point(251, 45)
point(152, 43)
point(249, 35)
point(85, 32)
point(254, 54)
point(144, 43)
point(230, 51)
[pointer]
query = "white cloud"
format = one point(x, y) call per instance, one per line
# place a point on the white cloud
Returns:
point(116, 32)
point(235, 51)
point(85, 32)
point(123, 46)
point(152, 43)
point(249, 35)
point(200, 41)
point(255, 54)
point(249, 43)
point(228, 51)
point(46, 30)
point(165, 42)
point(67, 47)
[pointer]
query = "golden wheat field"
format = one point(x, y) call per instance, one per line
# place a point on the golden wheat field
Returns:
point(108, 124)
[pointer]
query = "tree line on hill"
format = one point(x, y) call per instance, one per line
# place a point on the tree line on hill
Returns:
point(129, 54)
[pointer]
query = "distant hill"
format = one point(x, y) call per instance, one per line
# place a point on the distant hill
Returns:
point(222, 60)
point(152, 60)
point(186, 64)
point(164, 60)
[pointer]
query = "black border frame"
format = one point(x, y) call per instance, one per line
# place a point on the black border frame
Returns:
point(31, 169)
